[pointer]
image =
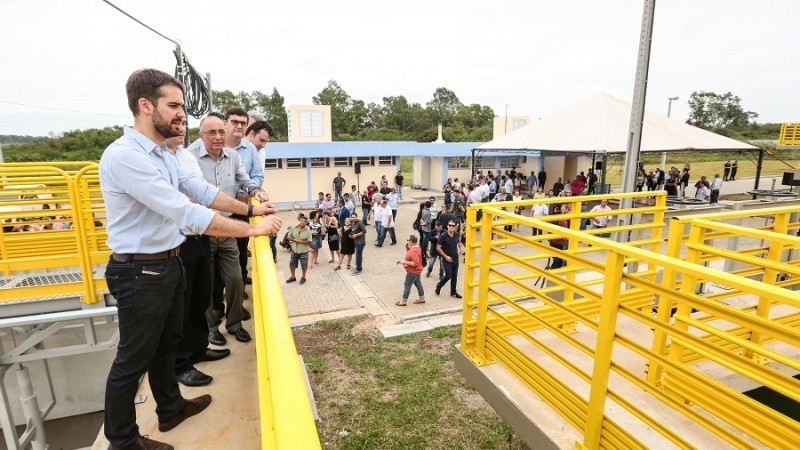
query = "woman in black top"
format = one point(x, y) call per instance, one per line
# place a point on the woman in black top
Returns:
point(332, 228)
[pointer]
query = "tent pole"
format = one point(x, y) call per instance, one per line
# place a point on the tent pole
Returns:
point(758, 169)
point(472, 166)
point(637, 114)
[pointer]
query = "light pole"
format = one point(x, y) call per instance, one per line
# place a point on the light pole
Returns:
point(505, 127)
point(669, 106)
point(669, 112)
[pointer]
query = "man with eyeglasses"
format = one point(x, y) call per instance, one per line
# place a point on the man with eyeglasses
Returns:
point(449, 248)
point(222, 167)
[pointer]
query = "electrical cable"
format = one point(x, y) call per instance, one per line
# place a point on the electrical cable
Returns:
point(138, 21)
point(195, 90)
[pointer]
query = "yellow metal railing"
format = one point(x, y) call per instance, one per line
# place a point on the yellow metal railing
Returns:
point(790, 134)
point(589, 344)
point(69, 234)
point(52, 220)
point(287, 421)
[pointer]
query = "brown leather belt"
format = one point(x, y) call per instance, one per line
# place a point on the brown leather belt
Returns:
point(147, 256)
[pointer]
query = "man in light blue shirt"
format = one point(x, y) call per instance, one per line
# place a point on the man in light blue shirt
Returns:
point(145, 192)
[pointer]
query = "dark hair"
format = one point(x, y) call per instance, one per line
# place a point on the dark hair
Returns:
point(257, 126)
point(428, 204)
point(313, 215)
point(147, 83)
point(236, 112)
point(412, 238)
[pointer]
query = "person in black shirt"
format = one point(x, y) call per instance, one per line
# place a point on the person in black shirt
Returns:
point(449, 248)
point(398, 182)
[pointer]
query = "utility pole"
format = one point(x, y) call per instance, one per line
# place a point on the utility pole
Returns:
point(505, 127)
point(669, 113)
point(637, 113)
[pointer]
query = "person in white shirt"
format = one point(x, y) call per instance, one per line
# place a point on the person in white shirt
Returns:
point(715, 187)
point(603, 220)
point(434, 209)
point(538, 210)
point(703, 192)
point(387, 224)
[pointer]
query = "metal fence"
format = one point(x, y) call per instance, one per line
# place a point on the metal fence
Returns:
point(647, 342)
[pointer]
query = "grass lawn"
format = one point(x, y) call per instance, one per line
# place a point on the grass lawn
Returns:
point(400, 393)
point(747, 168)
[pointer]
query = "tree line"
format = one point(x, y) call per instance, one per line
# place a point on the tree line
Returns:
point(394, 119)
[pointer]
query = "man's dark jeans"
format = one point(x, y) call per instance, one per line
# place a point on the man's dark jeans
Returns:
point(149, 298)
point(196, 258)
point(450, 273)
point(359, 256)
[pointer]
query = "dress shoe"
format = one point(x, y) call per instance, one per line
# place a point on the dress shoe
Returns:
point(438, 290)
point(248, 280)
point(194, 377)
point(213, 355)
point(216, 338)
point(190, 408)
point(241, 335)
point(455, 295)
point(144, 443)
point(246, 314)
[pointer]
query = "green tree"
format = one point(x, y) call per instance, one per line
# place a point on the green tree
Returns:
point(710, 110)
point(348, 116)
point(225, 100)
point(443, 106)
point(274, 110)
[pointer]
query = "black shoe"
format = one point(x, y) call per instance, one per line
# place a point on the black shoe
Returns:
point(241, 335)
point(216, 338)
point(248, 280)
point(356, 272)
point(378, 245)
point(291, 280)
point(194, 377)
point(246, 314)
point(393, 243)
point(213, 355)
point(303, 280)
point(245, 296)
point(438, 290)
point(456, 295)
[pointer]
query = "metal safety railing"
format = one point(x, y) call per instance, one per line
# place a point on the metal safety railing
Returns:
point(586, 337)
point(790, 134)
point(52, 221)
point(287, 421)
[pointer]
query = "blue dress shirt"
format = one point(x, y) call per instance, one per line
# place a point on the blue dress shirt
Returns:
point(145, 191)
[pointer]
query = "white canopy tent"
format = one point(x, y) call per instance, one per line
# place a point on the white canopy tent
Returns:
point(599, 124)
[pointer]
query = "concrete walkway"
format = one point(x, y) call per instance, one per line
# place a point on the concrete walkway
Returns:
point(331, 294)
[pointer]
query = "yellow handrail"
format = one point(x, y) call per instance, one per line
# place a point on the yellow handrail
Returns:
point(790, 134)
point(287, 421)
point(609, 290)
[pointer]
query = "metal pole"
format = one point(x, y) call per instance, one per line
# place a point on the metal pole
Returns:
point(669, 113)
point(637, 112)
point(505, 127)
point(30, 408)
point(758, 170)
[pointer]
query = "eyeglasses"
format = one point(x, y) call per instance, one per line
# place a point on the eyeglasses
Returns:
point(240, 123)
point(451, 224)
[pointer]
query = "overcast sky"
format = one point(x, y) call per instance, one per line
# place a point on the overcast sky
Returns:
point(535, 56)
